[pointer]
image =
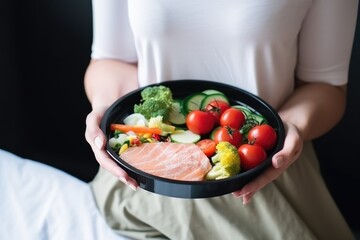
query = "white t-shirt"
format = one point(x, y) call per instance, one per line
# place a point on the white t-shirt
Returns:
point(259, 46)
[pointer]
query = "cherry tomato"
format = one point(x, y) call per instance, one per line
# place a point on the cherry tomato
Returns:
point(233, 118)
point(227, 134)
point(200, 122)
point(208, 146)
point(263, 135)
point(217, 108)
point(251, 155)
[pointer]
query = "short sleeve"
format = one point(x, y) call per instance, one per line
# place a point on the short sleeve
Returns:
point(325, 41)
point(112, 35)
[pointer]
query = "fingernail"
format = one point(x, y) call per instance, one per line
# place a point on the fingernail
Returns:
point(279, 162)
point(132, 187)
point(239, 194)
point(98, 143)
point(122, 179)
point(246, 201)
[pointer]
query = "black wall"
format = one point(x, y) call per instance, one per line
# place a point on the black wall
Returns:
point(45, 48)
point(338, 150)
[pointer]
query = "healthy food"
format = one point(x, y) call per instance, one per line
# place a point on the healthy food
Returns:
point(228, 134)
point(208, 146)
point(156, 101)
point(263, 135)
point(135, 129)
point(232, 138)
point(233, 118)
point(226, 162)
point(159, 159)
point(184, 136)
point(200, 122)
point(216, 108)
point(157, 122)
point(251, 155)
point(176, 116)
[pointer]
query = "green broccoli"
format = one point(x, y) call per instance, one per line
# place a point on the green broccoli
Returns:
point(226, 162)
point(156, 101)
point(158, 92)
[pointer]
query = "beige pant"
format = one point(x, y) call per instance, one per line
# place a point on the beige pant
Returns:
point(296, 206)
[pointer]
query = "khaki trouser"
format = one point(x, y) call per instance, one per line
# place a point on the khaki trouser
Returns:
point(296, 206)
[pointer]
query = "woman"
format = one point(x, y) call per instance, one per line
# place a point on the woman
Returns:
point(293, 54)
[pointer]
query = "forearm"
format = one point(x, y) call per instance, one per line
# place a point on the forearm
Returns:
point(314, 108)
point(107, 80)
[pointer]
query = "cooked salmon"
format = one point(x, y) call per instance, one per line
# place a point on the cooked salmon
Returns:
point(179, 161)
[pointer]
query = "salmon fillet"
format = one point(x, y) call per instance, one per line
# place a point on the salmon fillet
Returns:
point(178, 161)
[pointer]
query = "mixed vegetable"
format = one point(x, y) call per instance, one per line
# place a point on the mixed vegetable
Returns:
point(235, 138)
point(226, 162)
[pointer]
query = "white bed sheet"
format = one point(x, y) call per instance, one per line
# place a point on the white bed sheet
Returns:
point(38, 201)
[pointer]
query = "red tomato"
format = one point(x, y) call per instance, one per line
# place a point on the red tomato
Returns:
point(251, 155)
point(200, 122)
point(233, 118)
point(263, 135)
point(217, 108)
point(208, 146)
point(227, 134)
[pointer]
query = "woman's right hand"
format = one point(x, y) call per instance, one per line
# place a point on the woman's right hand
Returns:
point(95, 137)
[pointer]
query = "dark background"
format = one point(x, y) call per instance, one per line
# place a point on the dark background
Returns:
point(45, 49)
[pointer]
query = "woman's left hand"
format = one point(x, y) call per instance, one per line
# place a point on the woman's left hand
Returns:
point(292, 149)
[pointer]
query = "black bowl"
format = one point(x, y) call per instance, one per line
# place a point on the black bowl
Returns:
point(193, 189)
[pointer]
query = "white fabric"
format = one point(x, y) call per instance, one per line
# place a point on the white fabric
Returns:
point(256, 45)
point(40, 202)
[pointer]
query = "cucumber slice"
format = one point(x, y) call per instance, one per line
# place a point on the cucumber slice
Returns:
point(212, 91)
point(193, 102)
point(251, 114)
point(184, 136)
point(213, 97)
point(246, 111)
point(257, 118)
point(176, 115)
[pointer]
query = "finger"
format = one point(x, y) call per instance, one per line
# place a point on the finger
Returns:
point(110, 165)
point(93, 134)
point(247, 198)
point(255, 185)
point(292, 148)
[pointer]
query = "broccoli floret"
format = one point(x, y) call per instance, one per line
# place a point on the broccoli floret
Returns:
point(226, 162)
point(156, 101)
point(152, 108)
point(158, 92)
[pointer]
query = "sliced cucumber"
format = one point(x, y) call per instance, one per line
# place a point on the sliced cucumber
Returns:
point(251, 115)
point(213, 97)
point(246, 111)
point(212, 91)
point(192, 102)
point(257, 118)
point(176, 115)
point(184, 136)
